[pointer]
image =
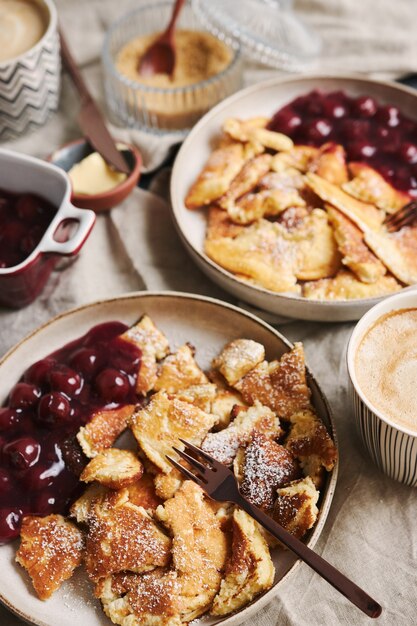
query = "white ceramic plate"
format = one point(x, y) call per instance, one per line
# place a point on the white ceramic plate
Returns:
point(208, 324)
point(264, 99)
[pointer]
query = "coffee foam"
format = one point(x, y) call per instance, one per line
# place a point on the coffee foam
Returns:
point(22, 25)
point(386, 367)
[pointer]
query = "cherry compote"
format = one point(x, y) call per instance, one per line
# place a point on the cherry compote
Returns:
point(379, 135)
point(39, 458)
point(24, 219)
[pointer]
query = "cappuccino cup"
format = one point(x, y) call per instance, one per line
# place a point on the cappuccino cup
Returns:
point(382, 367)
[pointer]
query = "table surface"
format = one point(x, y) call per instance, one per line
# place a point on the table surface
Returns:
point(371, 531)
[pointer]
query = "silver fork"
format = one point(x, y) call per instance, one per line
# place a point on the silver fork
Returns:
point(220, 484)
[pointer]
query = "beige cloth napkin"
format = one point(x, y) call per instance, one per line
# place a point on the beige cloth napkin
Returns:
point(371, 529)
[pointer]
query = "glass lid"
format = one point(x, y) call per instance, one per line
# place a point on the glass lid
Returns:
point(268, 30)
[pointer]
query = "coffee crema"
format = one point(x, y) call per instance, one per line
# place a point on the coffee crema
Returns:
point(22, 24)
point(386, 367)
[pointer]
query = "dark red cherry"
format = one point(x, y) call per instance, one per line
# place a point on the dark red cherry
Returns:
point(112, 385)
point(27, 207)
point(365, 106)
point(5, 481)
point(54, 408)
point(388, 115)
point(13, 232)
point(22, 453)
point(63, 378)
point(38, 477)
point(358, 150)
point(334, 108)
point(8, 418)
point(355, 129)
point(85, 361)
point(318, 129)
point(10, 522)
point(286, 121)
point(44, 503)
point(24, 395)
point(38, 373)
point(408, 152)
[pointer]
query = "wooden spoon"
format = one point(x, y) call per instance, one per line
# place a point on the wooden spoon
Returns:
point(159, 58)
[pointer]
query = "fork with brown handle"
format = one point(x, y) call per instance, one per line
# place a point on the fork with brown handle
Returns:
point(220, 484)
point(404, 217)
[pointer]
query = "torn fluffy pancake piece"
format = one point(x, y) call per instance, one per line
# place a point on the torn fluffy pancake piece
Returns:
point(346, 286)
point(237, 358)
point(224, 444)
point(123, 537)
point(201, 396)
point(199, 547)
point(281, 385)
point(310, 443)
point(153, 345)
point(295, 508)
point(330, 164)
point(316, 248)
point(260, 253)
point(240, 130)
point(369, 186)
point(142, 493)
point(81, 508)
point(398, 251)
point(272, 199)
point(248, 177)
point(179, 371)
point(266, 466)
point(159, 426)
point(103, 429)
point(220, 225)
point(222, 166)
point(299, 157)
point(113, 468)
point(356, 254)
point(51, 548)
point(150, 599)
point(364, 215)
point(166, 485)
point(249, 571)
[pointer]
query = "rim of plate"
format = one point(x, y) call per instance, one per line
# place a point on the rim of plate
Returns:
point(331, 480)
point(177, 207)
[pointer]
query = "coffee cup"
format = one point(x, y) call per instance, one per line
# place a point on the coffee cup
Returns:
point(382, 367)
point(29, 78)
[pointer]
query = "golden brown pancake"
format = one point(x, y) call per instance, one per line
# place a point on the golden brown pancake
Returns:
point(214, 180)
point(356, 254)
point(346, 286)
point(51, 548)
point(369, 186)
point(330, 164)
point(295, 507)
point(179, 371)
point(153, 346)
point(310, 443)
point(281, 385)
point(364, 215)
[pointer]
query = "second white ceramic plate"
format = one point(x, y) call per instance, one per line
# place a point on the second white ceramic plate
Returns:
point(264, 99)
point(206, 323)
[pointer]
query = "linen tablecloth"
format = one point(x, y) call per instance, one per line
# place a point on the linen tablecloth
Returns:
point(371, 530)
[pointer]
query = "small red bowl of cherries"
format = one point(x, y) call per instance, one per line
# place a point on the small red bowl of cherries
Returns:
point(38, 225)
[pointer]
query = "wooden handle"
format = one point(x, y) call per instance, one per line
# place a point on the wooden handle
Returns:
point(175, 13)
point(73, 69)
point(338, 580)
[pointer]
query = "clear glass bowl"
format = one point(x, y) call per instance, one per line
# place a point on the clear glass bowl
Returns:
point(161, 110)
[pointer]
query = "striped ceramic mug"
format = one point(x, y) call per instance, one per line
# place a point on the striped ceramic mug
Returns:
point(29, 83)
point(392, 446)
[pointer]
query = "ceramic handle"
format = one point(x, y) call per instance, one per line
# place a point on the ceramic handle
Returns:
point(85, 219)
